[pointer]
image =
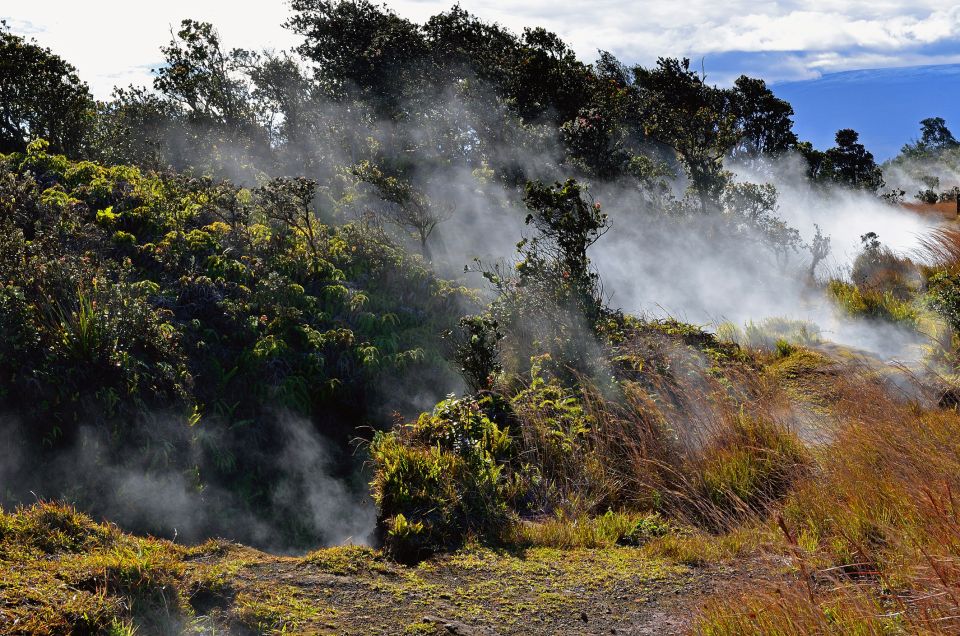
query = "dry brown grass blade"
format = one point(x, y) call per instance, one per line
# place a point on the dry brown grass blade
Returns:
point(940, 247)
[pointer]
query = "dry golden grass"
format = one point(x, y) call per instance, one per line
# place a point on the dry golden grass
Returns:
point(873, 532)
point(942, 210)
point(941, 248)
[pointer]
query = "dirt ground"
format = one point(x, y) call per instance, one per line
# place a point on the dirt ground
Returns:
point(476, 592)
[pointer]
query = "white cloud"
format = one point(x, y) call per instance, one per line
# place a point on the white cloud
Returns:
point(117, 43)
point(114, 42)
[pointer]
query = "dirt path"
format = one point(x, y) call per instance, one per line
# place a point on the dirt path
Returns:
point(476, 592)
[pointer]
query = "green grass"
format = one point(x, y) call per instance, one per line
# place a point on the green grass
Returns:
point(61, 573)
point(584, 531)
point(873, 304)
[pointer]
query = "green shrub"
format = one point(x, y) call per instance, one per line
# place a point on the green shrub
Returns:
point(784, 348)
point(585, 531)
point(554, 422)
point(439, 482)
point(126, 294)
point(477, 351)
point(463, 426)
point(944, 297)
point(645, 528)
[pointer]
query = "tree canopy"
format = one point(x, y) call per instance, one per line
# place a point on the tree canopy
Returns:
point(41, 96)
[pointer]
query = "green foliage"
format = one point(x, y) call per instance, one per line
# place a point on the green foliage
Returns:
point(128, 293)
point(848, 163)
point(935, 137)
point(554, 417)
point(461, 425)
point(784, 348)
point(42, 97)
point(752, 208)
point(645, 528)
point(877, 305)
point(944, 297)
point(406, 205)
point(567, 225)
point(703, 123)
point(477, 351)
point(601, 531)
point(552, 302)
point(442, 479)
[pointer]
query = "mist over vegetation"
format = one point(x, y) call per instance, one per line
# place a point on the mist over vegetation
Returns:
point(415, 285)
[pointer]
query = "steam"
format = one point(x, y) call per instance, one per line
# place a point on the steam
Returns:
point(168, 501)
point(682, 269)
point(909, 173)
point(659, 265)
point(650, 262)
point(333, 510)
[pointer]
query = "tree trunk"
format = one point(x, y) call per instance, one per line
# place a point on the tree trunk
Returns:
point(424, 250)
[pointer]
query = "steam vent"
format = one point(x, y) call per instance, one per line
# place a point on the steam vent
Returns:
point(350, 318)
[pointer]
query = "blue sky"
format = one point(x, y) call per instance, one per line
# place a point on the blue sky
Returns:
point(117, 42)
point(885, 105)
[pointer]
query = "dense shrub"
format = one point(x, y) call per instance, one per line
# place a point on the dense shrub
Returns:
point(442, 479)
point(944, 297)
point(126, 294)
point(873, 304)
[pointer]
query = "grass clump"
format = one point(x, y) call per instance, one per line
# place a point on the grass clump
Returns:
point(793, 614)
point(280, 609)
point(872, 303)
point(61, 573)
point(770, 333)
point(750, 465)
point(585, 531)
point(873, 531)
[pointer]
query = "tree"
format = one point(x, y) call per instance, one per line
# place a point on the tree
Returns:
point(934, 137)
point(567, 225)
point(361, 49)
point(408, 207)
point(816, 160)
point(850, 164)
point(764, 120)
point(205, 100)
point(595, 141)
point(551, 300)
point(40, 96)
point(134, 128)
point(752, 208)
point(464, 47)
point(477, 350)
point(819, 249)
point(283, 97)
point(705, 124)
point(200, 76)
point(287, 202)
point(696, 120)
point(546, 79)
